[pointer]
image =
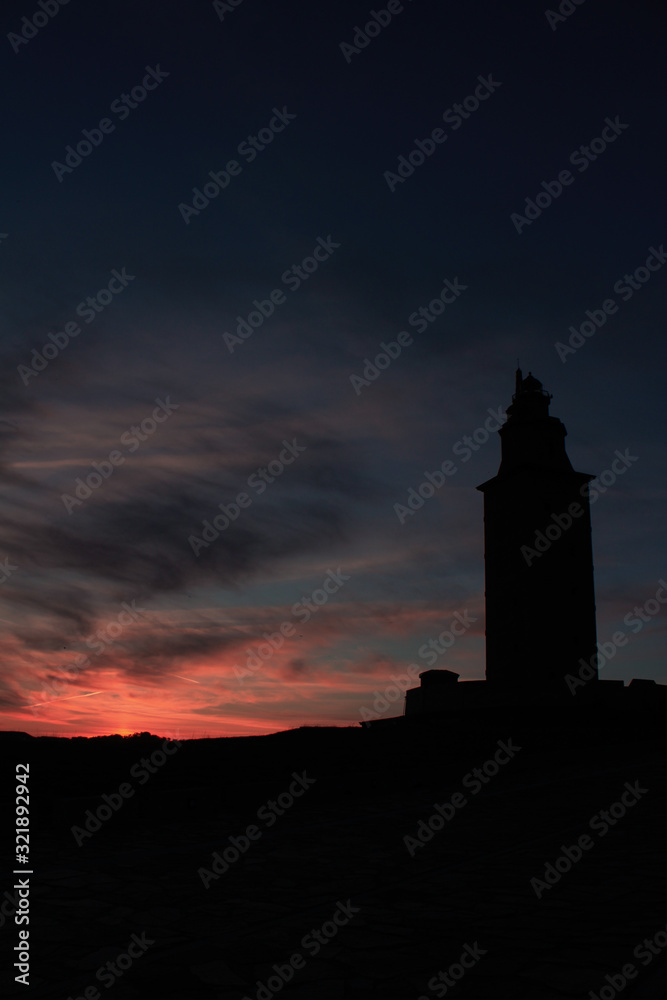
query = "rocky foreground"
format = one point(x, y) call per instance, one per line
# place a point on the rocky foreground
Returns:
point(488, 858)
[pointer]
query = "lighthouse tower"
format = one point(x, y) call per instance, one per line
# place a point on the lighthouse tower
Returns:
point(540, 599)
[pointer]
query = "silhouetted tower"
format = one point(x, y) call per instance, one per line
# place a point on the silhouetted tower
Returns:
point(540, 598)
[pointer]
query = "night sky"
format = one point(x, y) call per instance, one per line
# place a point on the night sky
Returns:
point(162, 345)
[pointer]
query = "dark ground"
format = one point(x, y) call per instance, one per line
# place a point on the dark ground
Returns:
point(343, 840)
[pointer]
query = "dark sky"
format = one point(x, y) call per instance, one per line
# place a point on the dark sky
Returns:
point(215, 410)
